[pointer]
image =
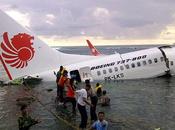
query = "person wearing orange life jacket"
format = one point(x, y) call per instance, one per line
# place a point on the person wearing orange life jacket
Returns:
point(61, 83)
point(58, 75)
point(70, 94)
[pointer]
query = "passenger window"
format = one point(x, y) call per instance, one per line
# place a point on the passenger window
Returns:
point(144, 62)
point(133, 65)
point(171, 63)
point(138, 64)
point(155, 60)
point(104, 71)
point(98, 73)
point(116, 69)
point(127, 66)
point(121, 68)
point(161, 59)
point(110, 70)
point(150, 61)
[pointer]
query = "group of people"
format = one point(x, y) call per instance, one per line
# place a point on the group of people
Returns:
point(98, 122)
point(63, 81)
point(78, 98)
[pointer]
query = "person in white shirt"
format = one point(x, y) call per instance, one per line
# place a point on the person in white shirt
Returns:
point(82, 101)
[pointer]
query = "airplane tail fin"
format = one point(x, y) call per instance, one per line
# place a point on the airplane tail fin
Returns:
point(21, 52)
point(93, 50)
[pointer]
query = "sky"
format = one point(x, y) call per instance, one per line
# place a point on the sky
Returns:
point(103, 22)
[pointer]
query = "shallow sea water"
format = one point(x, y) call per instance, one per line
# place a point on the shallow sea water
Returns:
point(135, 104)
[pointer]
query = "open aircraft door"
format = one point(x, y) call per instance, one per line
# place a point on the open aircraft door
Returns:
point(74, 74)
point(85, 73)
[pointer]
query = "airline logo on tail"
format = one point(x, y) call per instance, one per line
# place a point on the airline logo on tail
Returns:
point(18, 51)
point(94, 51)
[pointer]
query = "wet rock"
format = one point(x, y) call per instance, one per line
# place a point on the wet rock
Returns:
point(49, 90)
point(25, 100)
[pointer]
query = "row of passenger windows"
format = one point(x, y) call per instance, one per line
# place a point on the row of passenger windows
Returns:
point(133, 65)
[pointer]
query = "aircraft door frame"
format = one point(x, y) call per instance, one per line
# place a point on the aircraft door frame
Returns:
point(74, 74)
point(85, 73)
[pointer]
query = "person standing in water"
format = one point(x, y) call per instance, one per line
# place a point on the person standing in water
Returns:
point(81, 103)
point(98, 89)
point(25, 121)
point(70, 94)
point(105, 100)
point(58, 75)
point(101, 123)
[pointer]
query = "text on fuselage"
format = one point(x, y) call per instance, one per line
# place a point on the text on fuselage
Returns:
point(114, 77)
point(118, 62)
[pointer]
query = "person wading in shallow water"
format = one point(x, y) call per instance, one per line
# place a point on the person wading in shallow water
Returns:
point(98, 89)
point(94, 100)
point(101, 123)
point(82, 101)
point(58, 75)
point(70, 94)
point(105, 100)
point(61, 84)
point(25, 121)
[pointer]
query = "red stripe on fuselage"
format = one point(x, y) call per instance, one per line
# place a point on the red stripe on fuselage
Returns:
point(5, 67)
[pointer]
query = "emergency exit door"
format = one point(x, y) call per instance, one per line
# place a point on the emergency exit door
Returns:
point(85, 73)
point(74, 74)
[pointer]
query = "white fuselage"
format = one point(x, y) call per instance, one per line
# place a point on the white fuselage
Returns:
point(146, 63)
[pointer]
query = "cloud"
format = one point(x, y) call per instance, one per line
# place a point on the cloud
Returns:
point(22, 18)
point(50, 19)
point(101, 13)
point(112, 19)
